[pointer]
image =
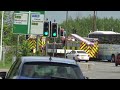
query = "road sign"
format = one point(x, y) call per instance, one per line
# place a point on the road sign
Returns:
point(20, 25)
point(28, 22)
point(37, 23)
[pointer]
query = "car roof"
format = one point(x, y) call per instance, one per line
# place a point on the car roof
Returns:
point(47, 59)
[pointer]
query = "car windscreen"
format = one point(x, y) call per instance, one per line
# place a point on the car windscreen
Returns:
point(50, 70)
point(81, 52)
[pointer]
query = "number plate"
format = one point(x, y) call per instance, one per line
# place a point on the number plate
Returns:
point(82, 57)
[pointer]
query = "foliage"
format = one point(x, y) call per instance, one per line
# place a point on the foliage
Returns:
point(24, 49)
point(85, 25)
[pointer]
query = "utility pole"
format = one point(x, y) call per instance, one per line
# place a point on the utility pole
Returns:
point(94, 21)
point(66, 33)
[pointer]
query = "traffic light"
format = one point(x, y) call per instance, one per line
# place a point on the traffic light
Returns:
point(62, 32)
point(27, 36)
point(46, 29)
point(54, 30)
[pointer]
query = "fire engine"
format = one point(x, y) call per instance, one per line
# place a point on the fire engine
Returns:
point(74, 42)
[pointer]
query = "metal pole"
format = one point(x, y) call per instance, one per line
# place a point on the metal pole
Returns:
point(3, 58)
point(17, 45)
point(94, 21)
point(46, 47)
point(66, 34)
point(54, 48)
point(2, 23)
point(46, 38)
point(37, 46)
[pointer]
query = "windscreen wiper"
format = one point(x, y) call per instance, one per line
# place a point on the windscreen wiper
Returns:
point(54, 77)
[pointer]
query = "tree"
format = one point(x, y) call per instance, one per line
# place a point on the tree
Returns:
point(85, 25)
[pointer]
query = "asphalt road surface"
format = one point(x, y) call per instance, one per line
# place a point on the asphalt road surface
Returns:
point(100, 70)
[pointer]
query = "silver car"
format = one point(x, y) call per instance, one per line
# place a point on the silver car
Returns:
point(36, 67)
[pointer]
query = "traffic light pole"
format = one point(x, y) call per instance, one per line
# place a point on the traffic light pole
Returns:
point(46, 47)
point(65, 44)
point(66, 34)
point(54, 47)
point(47, 38)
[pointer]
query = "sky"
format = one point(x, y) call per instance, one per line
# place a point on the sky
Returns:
point(60, 16)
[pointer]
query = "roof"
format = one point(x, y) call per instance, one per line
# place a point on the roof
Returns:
point(46, 59)
point(104, 32)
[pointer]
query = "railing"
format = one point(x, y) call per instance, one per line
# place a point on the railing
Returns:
point(57, 46)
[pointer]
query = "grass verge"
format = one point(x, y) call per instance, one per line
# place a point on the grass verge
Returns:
point(5, 65)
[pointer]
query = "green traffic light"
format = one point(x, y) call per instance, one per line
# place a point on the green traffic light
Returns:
point(54, 34)
point(46, 33)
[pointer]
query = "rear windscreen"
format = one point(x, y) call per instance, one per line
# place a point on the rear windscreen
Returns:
point(47, 70)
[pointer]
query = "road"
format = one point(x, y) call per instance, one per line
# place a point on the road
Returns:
point(100, 70)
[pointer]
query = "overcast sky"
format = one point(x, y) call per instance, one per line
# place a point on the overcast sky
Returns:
point(60, 16)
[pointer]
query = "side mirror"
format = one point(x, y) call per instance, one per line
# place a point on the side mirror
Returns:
point(3, 74)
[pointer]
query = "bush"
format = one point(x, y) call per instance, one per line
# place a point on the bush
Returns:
point(24, 49)
point(9, 56)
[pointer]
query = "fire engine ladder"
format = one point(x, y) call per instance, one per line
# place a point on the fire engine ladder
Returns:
point(82, 39)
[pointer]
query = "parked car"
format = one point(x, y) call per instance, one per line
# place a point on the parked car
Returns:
point(117, 60)
point(78, 55)
point(35, 67)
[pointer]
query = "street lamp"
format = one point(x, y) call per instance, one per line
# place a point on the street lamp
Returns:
point(1, 35)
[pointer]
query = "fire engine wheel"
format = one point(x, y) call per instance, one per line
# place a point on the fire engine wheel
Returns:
point(113, 58)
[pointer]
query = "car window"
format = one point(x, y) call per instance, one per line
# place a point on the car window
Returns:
point(73, 52)
point(49, 70)
point(81, 52)
point(14, 69)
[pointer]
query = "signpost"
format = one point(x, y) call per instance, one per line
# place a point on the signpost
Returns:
point(20, 25)
point(36, 25)
point(28, 22)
